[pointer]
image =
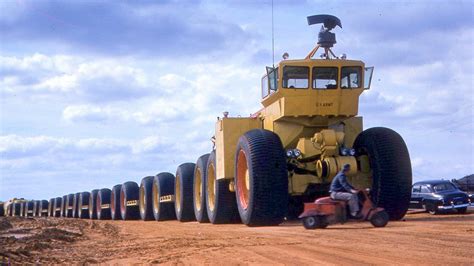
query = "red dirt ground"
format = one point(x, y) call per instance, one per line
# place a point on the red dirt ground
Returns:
point(419, 239)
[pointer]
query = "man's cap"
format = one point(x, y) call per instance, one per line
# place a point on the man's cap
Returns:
point(346, 167)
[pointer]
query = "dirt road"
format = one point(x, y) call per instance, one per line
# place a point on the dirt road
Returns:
point(420, 239)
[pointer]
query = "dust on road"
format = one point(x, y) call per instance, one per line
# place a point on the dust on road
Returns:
point(419, 239)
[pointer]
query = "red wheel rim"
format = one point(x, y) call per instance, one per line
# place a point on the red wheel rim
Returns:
point(243, 180)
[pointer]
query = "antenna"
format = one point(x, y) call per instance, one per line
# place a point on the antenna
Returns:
point(273, 41)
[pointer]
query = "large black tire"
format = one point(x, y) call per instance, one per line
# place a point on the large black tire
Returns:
point(43, 208)
point(58, 203)
point(220, 202)
point(10, 210)
point(93, 204)
point(115, 202)
point(16, 209)
point(263, 198)
point(103, 204)
point(69, 207)
point(83, 209)
point(22, 209)
point(36, 206)
point(146, 198)
point(2, 210)
point(51, 207)
point(75, 205)
point(129, 197)
point(163, 191)
point(63, 206)
point(29, 208)
point(391, 167)
point(183, 193)
point(199, 189)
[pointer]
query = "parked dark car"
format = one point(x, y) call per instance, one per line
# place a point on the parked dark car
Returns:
point(438, 195)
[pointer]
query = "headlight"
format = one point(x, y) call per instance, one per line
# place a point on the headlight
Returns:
point(344, 152)
point(289, 154)
point(293, 153)
point(297, 153)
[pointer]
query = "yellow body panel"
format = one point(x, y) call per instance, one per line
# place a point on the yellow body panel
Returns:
point(296, 116)
point(228, 132)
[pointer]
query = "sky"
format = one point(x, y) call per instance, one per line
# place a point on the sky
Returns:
point(96, 93)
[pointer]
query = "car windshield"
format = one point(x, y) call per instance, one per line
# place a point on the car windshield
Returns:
point(443, 187)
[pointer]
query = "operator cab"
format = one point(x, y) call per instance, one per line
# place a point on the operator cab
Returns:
point(317, 75)
point(330, 86)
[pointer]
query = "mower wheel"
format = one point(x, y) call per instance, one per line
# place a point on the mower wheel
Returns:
point(380, 219)
point(314, 222)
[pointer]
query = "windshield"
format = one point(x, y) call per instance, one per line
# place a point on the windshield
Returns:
point(295, 77)
point(350, 77)
point(443, 187)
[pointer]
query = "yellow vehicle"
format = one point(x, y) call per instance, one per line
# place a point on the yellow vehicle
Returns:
point(264, 167)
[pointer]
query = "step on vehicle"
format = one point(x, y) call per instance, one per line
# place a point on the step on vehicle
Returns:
point(325, 211)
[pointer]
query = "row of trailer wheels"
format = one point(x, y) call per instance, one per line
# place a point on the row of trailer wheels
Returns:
point(192, 194)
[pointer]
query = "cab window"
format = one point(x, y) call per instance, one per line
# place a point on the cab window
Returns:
point(295, 77)
point(265, 91)
point(351, 77)
point(325, 78)
point(416, 189)
point(270, 82)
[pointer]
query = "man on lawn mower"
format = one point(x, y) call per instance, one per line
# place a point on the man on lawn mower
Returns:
point(341, 190)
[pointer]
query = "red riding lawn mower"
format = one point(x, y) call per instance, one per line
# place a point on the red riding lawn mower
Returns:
point(326, 211)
